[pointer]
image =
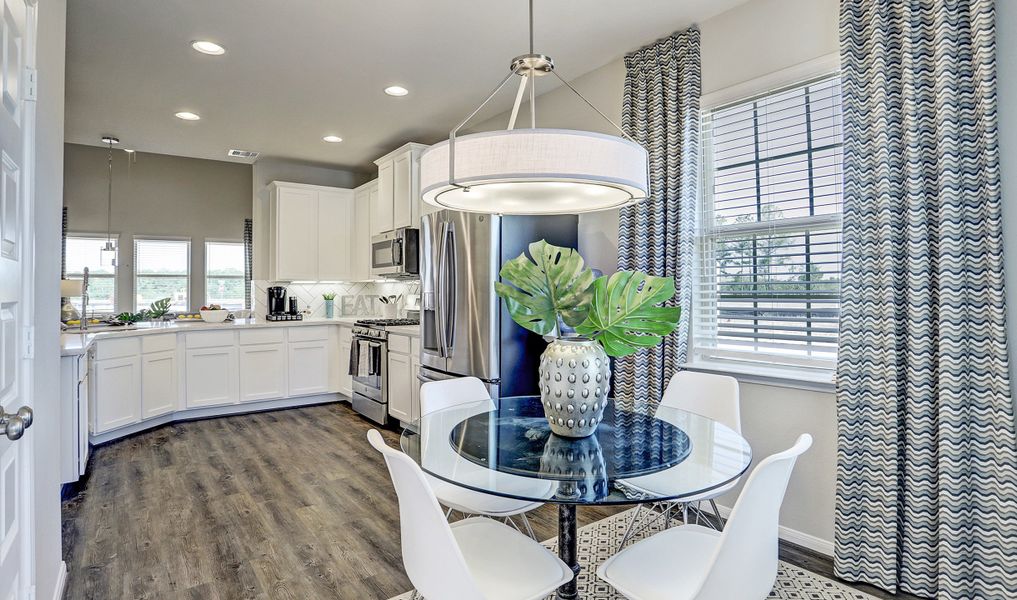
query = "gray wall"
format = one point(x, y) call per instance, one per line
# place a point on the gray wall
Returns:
point(268, 170)
point(747, 42)
point(158, 195)
point(45, 433)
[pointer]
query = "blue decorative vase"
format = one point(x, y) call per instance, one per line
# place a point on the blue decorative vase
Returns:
point(329, 308)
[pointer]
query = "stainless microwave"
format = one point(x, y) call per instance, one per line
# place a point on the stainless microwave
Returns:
point(395, 254)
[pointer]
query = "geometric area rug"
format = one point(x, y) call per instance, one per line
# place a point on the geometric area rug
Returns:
point(598, 541)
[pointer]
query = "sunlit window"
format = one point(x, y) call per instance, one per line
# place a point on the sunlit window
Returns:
point(224, 274)
point(161, 270)
point(83, 251)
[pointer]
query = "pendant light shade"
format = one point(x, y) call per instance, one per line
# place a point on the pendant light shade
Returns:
point(534, 171)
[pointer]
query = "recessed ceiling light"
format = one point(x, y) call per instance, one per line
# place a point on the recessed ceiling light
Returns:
point(207, 47)
point(332, 139)
point(396, 90)
point(187, 116)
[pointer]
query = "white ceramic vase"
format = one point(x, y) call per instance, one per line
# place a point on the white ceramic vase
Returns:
point(575, 381)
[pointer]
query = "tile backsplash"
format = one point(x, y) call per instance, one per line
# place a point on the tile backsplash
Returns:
point(352, 299)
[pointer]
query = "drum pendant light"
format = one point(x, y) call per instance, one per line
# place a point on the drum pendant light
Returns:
point(533, 171)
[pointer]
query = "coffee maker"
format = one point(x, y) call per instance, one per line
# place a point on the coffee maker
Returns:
point(277, 306)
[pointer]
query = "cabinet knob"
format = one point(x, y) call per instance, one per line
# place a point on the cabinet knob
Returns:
point(15, 424)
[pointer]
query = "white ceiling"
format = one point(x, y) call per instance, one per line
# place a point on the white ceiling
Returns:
point(296, 70)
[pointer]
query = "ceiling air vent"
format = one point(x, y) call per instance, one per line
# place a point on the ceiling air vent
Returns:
point(249, 154)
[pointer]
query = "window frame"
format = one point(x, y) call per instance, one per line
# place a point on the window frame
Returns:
point(791, 371)
point(137, 275)
point(242, 277)
point(79, 275)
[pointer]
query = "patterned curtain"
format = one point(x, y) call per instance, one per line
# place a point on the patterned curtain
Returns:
point(927, 473)
point(248, 261)
point(661, 112)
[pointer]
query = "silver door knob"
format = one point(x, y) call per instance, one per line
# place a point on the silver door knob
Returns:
point(15, 424)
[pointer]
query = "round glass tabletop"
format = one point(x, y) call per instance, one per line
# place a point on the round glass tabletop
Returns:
point(505, 447)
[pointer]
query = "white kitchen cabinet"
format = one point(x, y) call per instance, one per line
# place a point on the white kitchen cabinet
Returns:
point(414, 380)
point(74, 382)
point(398, 203)
point(212, 376)
point(262, 372)
point(400, 401)
point(158, 383)
point(116, 387)
point(365, 197)
point(345, 347)
point(335, 235)
point(310, 229)
point(308, 367)
point(381, 209)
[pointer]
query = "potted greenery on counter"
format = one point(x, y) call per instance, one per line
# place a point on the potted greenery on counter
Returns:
point(614, 315)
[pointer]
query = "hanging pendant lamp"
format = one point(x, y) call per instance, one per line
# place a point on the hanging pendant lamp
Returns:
point(108, 253)
point(533, 171)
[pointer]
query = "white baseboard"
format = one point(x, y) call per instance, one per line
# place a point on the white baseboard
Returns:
point(788, 535)
point(58, 592)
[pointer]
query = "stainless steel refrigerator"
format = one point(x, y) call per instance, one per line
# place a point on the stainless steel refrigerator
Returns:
point(465, 329)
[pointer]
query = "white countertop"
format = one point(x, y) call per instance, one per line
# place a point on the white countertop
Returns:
point(77, 343)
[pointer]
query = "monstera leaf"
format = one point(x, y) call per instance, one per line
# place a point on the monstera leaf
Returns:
point(556, 282)
point(624, 316)
point(159, 308)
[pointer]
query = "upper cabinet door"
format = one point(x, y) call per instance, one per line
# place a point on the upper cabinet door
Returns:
point(366, 196)
point(335, 216)
point(404, 202)
point(296, 234)
point(381, 208)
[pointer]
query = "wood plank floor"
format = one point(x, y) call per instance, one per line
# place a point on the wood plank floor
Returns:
point(276, 505)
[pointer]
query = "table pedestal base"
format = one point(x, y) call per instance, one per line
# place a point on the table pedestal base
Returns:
point(567, 549)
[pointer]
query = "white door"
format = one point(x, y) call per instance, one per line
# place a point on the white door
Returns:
point(335, 235)
point(158, 383)
point(117, 395)
point(17, 50)
point(399, 400)
point(381, 208)
point(212, 376)
point(296, 245)
point(308, 368)
point(262, 372)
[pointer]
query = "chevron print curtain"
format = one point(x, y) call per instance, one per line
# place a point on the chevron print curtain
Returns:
point(661, 112)
point(927, 473)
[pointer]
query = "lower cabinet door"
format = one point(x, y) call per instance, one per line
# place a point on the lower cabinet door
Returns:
point(212, 376)
point(158, 383)
point(262, 372)
point(308, 368)
point(414, 387)
point(345, 379)
point(117, 384)
point(399, 393)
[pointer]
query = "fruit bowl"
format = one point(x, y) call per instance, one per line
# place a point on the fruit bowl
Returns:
point(214, 316)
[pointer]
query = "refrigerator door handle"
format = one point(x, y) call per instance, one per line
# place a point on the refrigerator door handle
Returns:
point(452, 283)
point(440, 294)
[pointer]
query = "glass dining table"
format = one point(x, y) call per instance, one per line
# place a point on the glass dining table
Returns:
point(505, 447)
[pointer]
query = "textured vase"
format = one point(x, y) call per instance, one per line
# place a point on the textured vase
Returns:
point(329, 308)
point(575, 378)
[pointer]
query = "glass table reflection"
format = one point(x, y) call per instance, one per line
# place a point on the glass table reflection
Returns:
point(505, 447)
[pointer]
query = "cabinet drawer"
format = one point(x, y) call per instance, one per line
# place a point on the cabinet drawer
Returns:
point(116, 348)
point(158, 343)
point(266, 335)
point(309, 334)
point(399, 343)
point(209, 339)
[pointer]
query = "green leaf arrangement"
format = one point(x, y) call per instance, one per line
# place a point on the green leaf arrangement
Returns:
point(328, 295)
point(555, 283)
point(619, 311)
point(159, 308)
point(154, 311)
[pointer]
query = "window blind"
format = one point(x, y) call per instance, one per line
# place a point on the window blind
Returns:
point(161, 270)
point(83, 251)
point(769, 240)
point(224, 274)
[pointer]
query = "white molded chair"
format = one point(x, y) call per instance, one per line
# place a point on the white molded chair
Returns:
point(472, 559)
point(713, 396)
point(737, 563)
point(438, 395)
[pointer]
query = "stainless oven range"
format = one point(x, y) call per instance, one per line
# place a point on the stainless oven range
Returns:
point(369, 366)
